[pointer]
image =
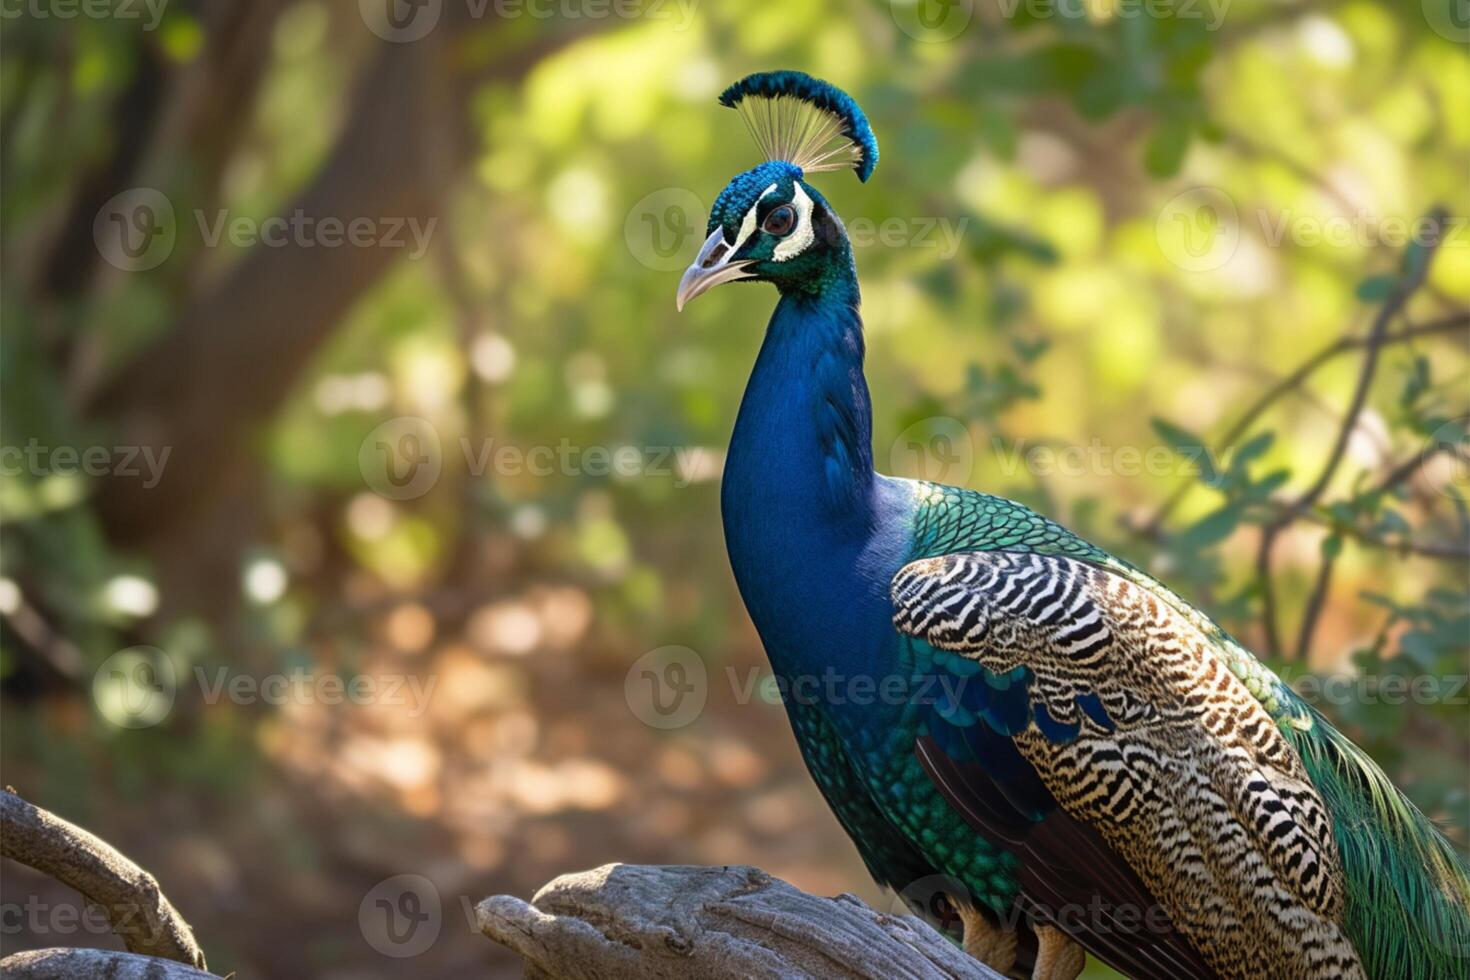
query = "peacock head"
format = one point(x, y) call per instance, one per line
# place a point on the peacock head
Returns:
point(769, 224)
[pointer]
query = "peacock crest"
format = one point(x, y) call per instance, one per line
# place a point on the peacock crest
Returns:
point(797, 119)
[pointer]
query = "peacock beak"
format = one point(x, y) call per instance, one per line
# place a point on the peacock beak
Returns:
point(711, 267)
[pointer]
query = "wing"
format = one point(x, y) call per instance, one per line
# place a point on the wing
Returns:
point(1166, 762)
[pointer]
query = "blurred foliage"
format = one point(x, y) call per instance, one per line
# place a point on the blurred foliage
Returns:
point(1052, 169)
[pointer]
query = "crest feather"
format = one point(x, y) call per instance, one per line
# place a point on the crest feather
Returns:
point(804, 121)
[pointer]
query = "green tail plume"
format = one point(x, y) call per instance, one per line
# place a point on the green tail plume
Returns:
point(1408, 907)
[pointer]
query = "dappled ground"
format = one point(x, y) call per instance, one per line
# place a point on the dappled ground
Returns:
point(529, 764)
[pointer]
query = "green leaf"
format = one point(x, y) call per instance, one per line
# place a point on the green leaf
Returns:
point(1392, 522)
point(1213, 528)
point(1164, 152)
point(1269, 484)
point(1414, 258)
point(1190, 446)
point(1176, 436)
point(1420, 648)
point(1376, 289)
point(1331, 547)
point(1251, 451)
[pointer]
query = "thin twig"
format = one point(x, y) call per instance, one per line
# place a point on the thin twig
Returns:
point(1423, 549)
point(1413, 278)
point(1314, 606)
point(1343, 345)
point(1393, 478)
point(129, 896)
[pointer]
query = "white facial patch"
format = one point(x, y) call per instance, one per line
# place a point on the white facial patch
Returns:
point(747, 225)
point(803, 234)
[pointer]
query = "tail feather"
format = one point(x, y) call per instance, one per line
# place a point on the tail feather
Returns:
point(1408, 890)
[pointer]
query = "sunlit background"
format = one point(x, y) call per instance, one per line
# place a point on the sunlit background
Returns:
point(465, 468)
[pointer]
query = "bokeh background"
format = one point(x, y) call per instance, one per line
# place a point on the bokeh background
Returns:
point(1121, 260)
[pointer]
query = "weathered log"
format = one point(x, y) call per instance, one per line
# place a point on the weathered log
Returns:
point(621, 922)
point(94, 964)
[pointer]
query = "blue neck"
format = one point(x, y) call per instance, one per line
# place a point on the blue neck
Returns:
point(802, 506)
point(802, 446)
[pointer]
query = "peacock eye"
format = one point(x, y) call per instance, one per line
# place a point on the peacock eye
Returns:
point(781, 220)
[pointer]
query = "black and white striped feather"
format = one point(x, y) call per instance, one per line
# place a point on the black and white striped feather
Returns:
point(1186, 777)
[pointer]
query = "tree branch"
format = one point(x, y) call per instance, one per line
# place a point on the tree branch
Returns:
point(1294, 380)
point(94, 964)
point(1411, 280)
point(621, 922)
point(129, 896)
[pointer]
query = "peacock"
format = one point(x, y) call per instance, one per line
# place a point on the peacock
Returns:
point(1085, 760)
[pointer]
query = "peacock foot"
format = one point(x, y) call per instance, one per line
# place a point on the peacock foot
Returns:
point(993, 945)
point(1058, 957)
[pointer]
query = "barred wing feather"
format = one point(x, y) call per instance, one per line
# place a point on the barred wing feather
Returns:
point(1140, 730)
